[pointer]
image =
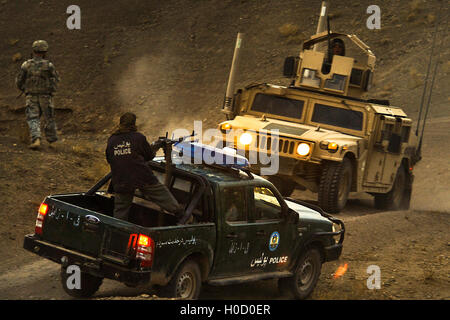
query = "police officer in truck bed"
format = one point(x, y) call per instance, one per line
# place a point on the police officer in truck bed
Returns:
point(127, 153)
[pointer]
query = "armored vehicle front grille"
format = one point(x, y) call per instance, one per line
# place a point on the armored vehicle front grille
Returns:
point(271, 144)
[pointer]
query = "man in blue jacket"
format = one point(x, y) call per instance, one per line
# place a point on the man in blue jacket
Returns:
point(127, 153)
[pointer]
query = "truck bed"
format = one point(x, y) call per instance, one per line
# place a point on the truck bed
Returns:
point(142, 213)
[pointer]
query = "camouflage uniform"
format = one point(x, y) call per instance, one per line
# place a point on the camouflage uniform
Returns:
point(38, 79)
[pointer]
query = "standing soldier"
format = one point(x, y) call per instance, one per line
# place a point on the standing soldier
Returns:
point(38, 79)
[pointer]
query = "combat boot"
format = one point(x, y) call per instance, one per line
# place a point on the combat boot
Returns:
point(36, 144)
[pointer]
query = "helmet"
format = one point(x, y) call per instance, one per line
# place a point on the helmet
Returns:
point(40, 46)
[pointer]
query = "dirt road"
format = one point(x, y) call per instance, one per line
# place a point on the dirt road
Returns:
point(411, 248)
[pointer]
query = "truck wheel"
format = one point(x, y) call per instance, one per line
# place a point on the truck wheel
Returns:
point(397, 198)
point(89, 284)
point(335, 185)
point(285, 186)
point(306, 275)
point(186, 282)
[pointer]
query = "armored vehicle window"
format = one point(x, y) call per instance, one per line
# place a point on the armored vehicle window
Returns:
point(339, 117)
point(387, 132)
point(337, 82)
point(405, 133)
point(234, 204)
point(267, 206)
point(356, 77)
point(279, 106)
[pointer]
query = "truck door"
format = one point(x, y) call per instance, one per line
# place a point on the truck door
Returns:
point(393, 134)
point(379, 150)
point(234, 241)
point(271, 236)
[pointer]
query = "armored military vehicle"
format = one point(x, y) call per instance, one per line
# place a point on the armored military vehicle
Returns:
point(329, 138)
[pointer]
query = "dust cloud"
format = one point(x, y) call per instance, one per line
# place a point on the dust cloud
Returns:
point(148, 88)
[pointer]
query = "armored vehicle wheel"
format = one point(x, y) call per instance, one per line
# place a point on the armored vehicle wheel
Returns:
point(397, 198)
point(89, 284)
point(186, 282)
point(285, 186)
point(305, 278)
point(335, 185)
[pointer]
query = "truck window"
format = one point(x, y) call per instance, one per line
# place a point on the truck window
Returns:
point(184, 190)
point(339, 117)
point(278, 106)
point(234, 204)
point(267, 206)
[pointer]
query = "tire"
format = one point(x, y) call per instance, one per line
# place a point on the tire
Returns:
point(285, 186)
point(185, 284)
point(335, 184)
point(89, 284)
point(398, 198)
point(306, 275)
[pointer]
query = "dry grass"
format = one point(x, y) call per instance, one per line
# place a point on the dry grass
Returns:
point(431, 18)
point(292, 33)
point(96, 171)
point(416, 8)
point(16, 57)
point(415, 78)
point(386, 90)
point(289, 29)
point(446, 67)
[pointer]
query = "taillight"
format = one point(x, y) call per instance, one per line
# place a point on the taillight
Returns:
point(40, 218)
point(145, 247)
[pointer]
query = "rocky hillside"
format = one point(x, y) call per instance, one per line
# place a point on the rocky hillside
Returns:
point(168, 61)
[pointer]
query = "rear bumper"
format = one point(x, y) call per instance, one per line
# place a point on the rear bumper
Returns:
point(87, 264)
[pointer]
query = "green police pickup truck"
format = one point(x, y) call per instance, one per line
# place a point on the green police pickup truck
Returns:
point(237, 228)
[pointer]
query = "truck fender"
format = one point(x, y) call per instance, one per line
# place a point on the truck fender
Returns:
point(312, 241)
point(352, 157)
point(203, 256)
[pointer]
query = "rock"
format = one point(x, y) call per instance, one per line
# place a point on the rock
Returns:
point(16, 57)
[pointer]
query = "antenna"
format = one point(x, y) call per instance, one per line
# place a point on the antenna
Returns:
point(321, 24)
point(428, 72)
point(330, 56)
point(227, 104)
point(436, 31)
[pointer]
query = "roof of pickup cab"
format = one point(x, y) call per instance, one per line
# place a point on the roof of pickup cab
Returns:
point(213, 173)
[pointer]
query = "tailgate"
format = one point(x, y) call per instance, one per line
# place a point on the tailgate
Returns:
point(88, 232)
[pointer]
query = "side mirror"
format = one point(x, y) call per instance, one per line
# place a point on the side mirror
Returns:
point(290, 67)
point(367, 82)
point(291, 216)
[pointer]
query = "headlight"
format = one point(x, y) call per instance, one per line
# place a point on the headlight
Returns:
point(225, 126)
point(303, 149)
point(332, 147)
point(246, 138)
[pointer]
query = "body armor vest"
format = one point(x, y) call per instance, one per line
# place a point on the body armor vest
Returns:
point(38, 77)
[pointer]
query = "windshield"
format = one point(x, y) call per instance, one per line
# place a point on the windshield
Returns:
point(344, 118)
point(279, 106)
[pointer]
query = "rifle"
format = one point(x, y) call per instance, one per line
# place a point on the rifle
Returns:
point(167, 148)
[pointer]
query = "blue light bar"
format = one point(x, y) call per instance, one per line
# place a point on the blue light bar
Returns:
point(197, 153)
